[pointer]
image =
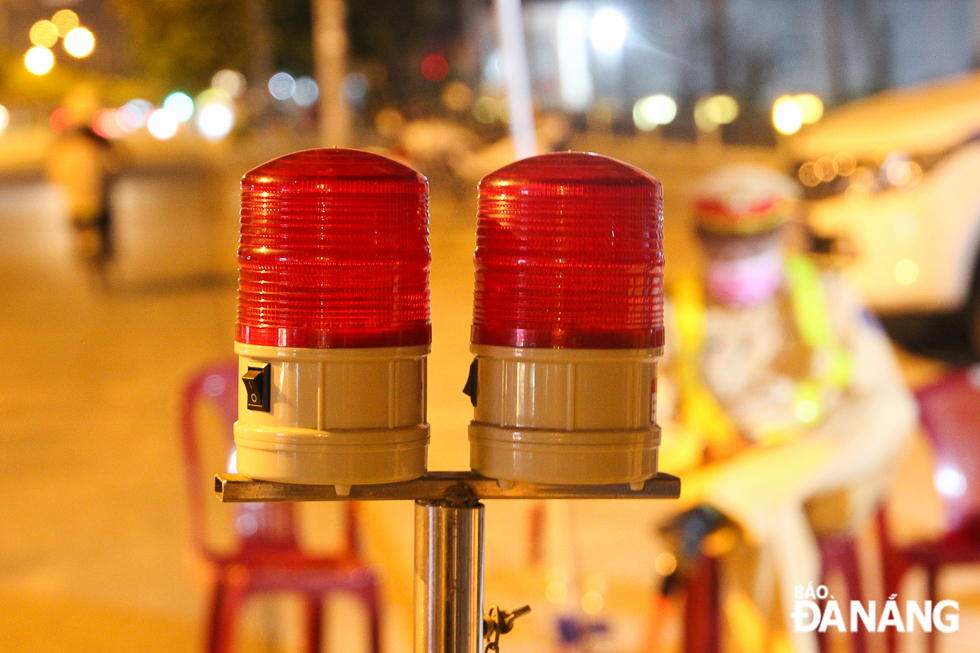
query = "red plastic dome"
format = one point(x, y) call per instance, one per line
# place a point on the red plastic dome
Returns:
point(334, 252)
point(569, 255)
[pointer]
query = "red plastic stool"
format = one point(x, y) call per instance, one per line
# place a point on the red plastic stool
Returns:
point(839, 553)
point(267, 556)
point(702, 606)
point(949, 410)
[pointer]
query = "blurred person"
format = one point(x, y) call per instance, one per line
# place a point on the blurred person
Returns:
point(82, 164)
point(790, 411)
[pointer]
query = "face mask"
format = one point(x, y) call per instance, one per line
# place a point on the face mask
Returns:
point(746, 281)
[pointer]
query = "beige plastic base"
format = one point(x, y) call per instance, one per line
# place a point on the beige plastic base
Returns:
point(565, 416)
point(562, 457)
point(338, 416)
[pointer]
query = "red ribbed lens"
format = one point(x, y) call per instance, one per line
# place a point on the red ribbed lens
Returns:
point(569, 254)
point(334, 252)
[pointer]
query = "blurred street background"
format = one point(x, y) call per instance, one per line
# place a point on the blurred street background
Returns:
point(185, 97)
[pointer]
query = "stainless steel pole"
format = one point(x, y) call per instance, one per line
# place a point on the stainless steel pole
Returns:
point(448, 577)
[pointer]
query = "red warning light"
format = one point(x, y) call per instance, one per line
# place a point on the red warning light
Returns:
point(334, 252)
point(569, 255)
point(435, 67)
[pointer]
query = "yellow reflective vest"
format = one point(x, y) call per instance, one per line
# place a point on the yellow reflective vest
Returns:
point(699, 412)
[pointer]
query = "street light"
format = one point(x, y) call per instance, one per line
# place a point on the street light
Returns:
point(181, 105)
point(215, 121)
point(215, 115)
point(608, 30)
point(79, 42)
point(39, 60)
point(787, 115)
point(654, 110)
point(162, 124)
point(716, 110)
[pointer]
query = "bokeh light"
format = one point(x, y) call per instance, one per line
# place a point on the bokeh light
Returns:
point(106, 125)
point(215, 114)
point(128, 119)
point(355, 87)
point(787, 115)
point(132, 115)
point(435, 67)
point(825, 168)
point(79, 42)
point(716, 110)
point(231, 82)
point(59, 119)
point(282, 86)
point(39, 60)
point(65, 21)
point(457, 96)
point(654, 110)
point(389, 122)
point(906, 272)
point(306, 92)
point(846, 163)
point(44, 33)
point(665, 563)
point(592, 602)
point(181, 105)
point(900, 172)
point(556, 591)
point(607, 30)
point(808, 175)
point(485, 110)
point(950, 482)
point(4, 118)
point(722, 108)
point(162, 124)
point(807, 410)
point(811, 107)
point(215, 121)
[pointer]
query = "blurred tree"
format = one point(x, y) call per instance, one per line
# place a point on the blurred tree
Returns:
point(183, 43)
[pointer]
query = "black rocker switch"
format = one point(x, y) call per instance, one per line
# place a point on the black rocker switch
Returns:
point(258, 382)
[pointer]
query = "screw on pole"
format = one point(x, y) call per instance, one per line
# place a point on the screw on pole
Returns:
point(499, 622)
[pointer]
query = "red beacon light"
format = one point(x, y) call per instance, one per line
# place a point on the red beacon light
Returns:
point(333, 320)
point(567, 321)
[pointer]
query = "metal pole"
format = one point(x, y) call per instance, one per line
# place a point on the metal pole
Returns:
point(448, 577)
point(330, 62)
point(521, 106)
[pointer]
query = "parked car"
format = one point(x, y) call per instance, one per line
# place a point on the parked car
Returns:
point(892, 184)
